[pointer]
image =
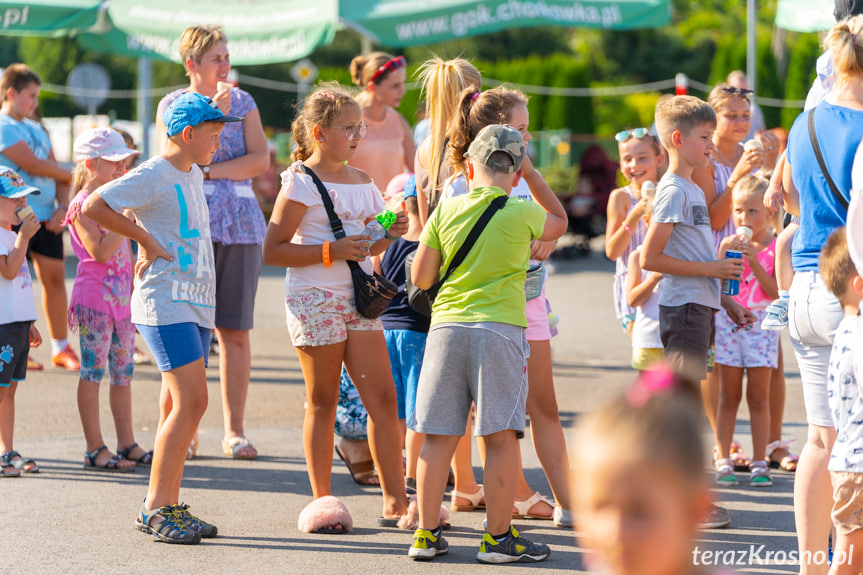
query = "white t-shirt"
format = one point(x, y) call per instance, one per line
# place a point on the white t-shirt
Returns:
point(16, 296)
point(645, 331)
point(846, 402)
point(171, 206)
point(353, 203)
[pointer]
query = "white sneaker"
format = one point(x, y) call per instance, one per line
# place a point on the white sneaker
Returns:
point(777, 316)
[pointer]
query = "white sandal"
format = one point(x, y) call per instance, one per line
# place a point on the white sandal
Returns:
point(724, 472)
point(477, 500)
point(523, 507)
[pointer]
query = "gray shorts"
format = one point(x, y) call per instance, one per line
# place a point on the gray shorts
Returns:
point(687, 332)
point(238, 267)
point(485, 363)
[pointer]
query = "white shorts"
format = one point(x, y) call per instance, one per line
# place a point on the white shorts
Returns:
point(753, 348)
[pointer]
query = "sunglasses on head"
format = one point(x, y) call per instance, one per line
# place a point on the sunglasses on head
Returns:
point(636, 133)
point(390, 66)
point(742, 92)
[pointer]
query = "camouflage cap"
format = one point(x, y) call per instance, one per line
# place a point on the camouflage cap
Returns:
point(498, 138)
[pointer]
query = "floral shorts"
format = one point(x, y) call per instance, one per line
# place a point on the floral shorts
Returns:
point(106, 344)
point(317, 317)
point(754, 348)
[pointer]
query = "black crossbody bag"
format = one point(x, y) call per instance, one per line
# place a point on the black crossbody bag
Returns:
point(372, 293)
point(422, 300)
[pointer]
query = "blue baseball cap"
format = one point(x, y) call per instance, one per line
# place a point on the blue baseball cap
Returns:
point(411, 187)
point(13, 186)
point(192, 109)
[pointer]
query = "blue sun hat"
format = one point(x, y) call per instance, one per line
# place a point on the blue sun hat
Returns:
point(13, 186)
point(192, 109)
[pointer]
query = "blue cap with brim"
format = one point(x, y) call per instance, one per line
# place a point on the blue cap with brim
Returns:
point(191, 109)
point(13, 186)
point(411, 187)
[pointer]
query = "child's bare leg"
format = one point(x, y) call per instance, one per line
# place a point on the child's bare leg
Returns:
point(545, 428)
point(88, 410)
point(166, 403)
point(374, 381)
point(188, 388)
point(432, 473)
point(321, 368)
point(730, 394)
point(120, 397)
point(462, 466)
point(523, 492)
point(845, 560)
point(7, 417)
point(413, 444)
point(501, 459)
point(710, 397)
point(757, 398)
point(777, 399)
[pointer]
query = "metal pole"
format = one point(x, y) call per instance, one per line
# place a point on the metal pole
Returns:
point(145, 113)
point(751, 44)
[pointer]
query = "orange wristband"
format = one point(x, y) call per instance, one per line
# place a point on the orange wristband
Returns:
point(326, 254)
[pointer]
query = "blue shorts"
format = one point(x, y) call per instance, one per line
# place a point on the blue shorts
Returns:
point(177, 344)
point(406, 348)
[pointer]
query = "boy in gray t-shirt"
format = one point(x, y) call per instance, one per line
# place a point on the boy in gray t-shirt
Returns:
point(679, 242)
point(174, 300)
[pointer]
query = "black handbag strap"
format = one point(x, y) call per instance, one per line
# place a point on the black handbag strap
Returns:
point(335, 221)
point(814, 139)
point(496, 204)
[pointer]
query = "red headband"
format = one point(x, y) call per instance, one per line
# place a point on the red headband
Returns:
point(389, 66)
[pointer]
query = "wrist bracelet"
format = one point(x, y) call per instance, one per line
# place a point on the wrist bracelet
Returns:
point(326, 255)
point(387, 236)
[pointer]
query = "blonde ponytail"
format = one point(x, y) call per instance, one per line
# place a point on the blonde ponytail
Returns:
point(845, 42)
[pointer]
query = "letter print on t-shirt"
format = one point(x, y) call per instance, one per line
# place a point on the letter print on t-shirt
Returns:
point(188, 267)
point(700, 217)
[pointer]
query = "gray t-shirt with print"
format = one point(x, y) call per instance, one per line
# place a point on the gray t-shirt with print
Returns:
point(171, 206)
point(681, 202)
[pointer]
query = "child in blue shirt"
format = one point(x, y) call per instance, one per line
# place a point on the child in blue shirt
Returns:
point(405, 329)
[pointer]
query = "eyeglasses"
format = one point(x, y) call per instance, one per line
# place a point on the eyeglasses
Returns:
point(391, 65)
point(742, 92)
point(353, 132)
point(636, 133)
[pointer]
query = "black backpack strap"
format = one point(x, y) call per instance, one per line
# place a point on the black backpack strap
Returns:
point(335, 221)
point(818, 156)
point(496, 204)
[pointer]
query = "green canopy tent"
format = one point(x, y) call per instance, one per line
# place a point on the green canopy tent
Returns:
point(52, 18)
point(400, 23)
point(266, 31)
point(260, 31)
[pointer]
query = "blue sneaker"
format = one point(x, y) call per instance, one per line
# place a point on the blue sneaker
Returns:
point(426, 546)
point(512, 549)
point(777, 316)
